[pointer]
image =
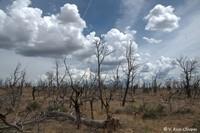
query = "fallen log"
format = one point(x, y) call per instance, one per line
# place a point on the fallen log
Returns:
point(110, 123)
point(87, 122)
point(19, 124)
point(10, 125)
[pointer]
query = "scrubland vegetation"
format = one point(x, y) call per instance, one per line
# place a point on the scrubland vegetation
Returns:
point(63, 104)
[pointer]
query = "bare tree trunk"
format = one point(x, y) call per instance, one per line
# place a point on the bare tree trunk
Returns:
point(131, 69)
point(91, 109)
point(188, 67)
point(101, 53)
point(78, 115)
point(99, 83)
point(33, 93)
point(187, 87)
point(126, 91)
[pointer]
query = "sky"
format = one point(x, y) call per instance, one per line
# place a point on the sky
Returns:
point(36, 32)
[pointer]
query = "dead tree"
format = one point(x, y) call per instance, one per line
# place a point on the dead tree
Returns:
point(90, 93)
point(15, 85)
point(168, 84)
point(116, 78)
point(155, 85)
point(101, 53)
point(57, 66)
point(131, 69)
point(117, 84)
point(133, 86)
point(107, 101)
point(41, 85)
point(188, 68)
point(10, 102)
point(1, 82)
point(10, 125)
point(196, 86)
point(76, 95)
point(50, 79)
point(145, 88)
point(33, 92)
point(109, 124)
point(59, 78)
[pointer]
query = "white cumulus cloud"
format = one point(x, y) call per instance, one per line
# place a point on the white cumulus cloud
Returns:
point(114, 41)
point(152, 40)
point(162, 68)
point(28, 32)
point(118, 41)
point(162, 18)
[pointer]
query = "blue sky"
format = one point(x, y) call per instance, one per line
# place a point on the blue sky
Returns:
point(161, 30)
point(100, 15)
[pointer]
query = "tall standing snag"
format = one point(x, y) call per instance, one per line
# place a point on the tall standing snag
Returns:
point(131, 69)
point(58, 77)
point(12, 98)
point(101, 53)
point(16, 83)
point(76, 95)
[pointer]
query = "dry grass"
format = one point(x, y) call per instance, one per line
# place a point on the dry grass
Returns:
point(185, 113)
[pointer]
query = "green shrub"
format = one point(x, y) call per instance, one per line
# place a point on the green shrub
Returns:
point(119, 111)
point(196, 124)
point(153, 112)
point(183, 111)
point(56, 107)
point(160, 108)
point(149, 111)
point(129, 109)
point(149, 114)
point(33, 106)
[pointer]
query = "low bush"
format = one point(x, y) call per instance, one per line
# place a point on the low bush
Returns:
point(56, 107)
point(33, 106)
point(148, 111)
point(196, 124)
point(129, 109)
point(183, 111)
point(153, 112)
